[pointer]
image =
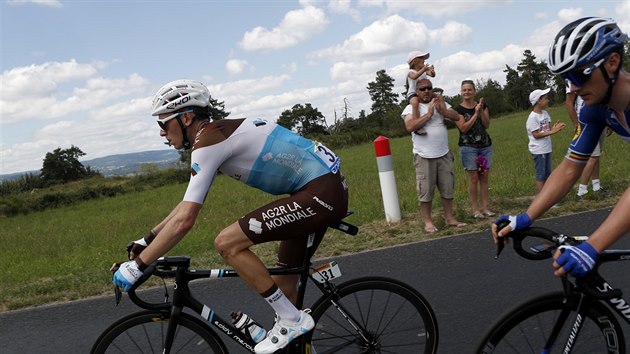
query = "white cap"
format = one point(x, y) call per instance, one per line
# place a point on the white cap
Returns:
point(535, 95)
point(416, 54)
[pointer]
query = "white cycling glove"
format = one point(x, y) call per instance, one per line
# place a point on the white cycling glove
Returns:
point(127, 275)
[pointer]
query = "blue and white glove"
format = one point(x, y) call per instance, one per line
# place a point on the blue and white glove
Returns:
point(127, 274)
point(578, 260)
point(517, 222)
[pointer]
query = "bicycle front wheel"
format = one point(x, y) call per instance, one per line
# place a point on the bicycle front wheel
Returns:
point(374, 315)
point(145, 332)
point(528, 327)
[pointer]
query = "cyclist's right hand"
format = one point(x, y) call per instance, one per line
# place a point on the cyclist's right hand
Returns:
point(575, 260)
point(514, 222)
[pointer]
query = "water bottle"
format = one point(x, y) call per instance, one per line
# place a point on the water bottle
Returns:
point(248, 326)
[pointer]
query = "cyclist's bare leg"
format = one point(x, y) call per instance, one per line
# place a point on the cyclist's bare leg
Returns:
point(233, 245)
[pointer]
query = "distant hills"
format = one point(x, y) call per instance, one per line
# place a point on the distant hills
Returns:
point(121, 164)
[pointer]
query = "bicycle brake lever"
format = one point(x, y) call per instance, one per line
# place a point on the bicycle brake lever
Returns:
point(117, 294)
point(501, 240)
point(500, 247)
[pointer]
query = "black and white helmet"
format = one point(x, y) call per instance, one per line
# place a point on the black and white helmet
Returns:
point(584, 41)
point(180, 94)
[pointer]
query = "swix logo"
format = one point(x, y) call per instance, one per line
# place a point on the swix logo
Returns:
point(618, 303)
point(178, 103)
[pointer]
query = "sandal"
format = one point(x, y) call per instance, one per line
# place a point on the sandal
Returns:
point(479, 215)
point(489, 213)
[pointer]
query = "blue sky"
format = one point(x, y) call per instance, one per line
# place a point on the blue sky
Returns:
point(83, 72)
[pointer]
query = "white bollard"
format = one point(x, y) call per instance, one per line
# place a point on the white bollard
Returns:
point(387, 178)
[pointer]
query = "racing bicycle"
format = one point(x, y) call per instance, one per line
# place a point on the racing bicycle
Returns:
point(579, 319)
point(364, 315)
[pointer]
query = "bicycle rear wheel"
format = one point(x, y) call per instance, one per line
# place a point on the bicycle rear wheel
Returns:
point(390, 316)
point(144, 332)
point(525, 329)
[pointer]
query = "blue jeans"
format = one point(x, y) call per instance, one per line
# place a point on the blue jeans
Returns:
point(542, 166)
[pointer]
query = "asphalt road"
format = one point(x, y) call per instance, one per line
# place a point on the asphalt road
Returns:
point(458, 275)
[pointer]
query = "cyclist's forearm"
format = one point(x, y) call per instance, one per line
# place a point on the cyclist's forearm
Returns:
point(555, 188)
point(615, 225)
point(161, 225)
point(175, 227)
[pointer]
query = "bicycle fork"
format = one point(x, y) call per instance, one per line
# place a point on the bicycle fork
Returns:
point(171, 329)
point(561, 321)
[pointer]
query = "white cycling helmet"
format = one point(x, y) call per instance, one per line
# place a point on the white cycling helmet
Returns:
point(584, 41)
point(180, 94)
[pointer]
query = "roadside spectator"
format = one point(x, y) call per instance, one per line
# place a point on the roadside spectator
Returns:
point(475, 148)
point(418, 69)
point(539, 131)
point(433, 160)
point(573, 104)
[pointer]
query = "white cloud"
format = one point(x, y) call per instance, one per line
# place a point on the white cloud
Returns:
point(452, 34)
point(622, 16)
point(295, 27)
point(235, 66)
point(370, 3)
point(40, 92)
point(346, 71)
point(393, 35)
point(541, 15)
point(344, 7)
point(452, 69)
point(49, 3)
point(440, 8)
point(291, 68)
point(35, 81)
point(570, 14)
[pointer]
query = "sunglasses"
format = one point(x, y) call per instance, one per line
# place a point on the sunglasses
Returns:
point(164, 122)
point(424, 88)
point(580, 77)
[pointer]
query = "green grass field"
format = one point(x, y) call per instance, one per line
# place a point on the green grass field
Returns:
point(64, 254)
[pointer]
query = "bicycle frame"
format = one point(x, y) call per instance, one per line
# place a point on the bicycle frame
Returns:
point(598, 289)
point(580, 296)
point(182, 296)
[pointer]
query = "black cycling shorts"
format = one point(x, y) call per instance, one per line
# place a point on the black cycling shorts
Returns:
point(319, 204)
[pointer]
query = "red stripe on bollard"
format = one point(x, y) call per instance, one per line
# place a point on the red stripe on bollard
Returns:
point(381, 146)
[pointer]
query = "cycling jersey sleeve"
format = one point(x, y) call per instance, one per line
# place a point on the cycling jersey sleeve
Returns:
point(205, 163)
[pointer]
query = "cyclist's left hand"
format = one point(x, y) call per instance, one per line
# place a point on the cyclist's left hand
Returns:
point(575, 260)
point(126, 275)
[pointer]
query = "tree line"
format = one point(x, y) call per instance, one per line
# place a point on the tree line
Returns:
point(62, 165)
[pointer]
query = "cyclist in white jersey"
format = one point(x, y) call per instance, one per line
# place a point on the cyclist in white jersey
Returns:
point(265, 156)
point(589, 53)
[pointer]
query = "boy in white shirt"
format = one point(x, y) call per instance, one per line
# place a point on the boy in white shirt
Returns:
point(539, 132)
